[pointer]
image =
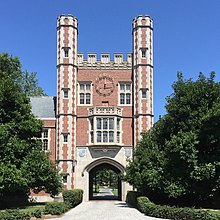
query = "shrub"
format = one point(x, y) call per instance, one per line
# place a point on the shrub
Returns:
point(142, 203)
point(14, 214)
point(132, 198)
point(159, 211)
point(55, 208)
point(37, 213)
point(72, 198)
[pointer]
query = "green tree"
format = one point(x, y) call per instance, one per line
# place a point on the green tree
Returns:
point(28, 81)
point(179, 158)
point(30, 84)
point(106, 177)
point(23, 165)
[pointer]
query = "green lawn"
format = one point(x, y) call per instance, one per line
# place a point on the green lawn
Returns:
point(115, 192)
point(214, 211)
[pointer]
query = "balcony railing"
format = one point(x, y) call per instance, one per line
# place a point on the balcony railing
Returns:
point(105, 110)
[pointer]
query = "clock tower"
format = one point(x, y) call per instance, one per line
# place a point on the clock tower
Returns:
point(103, 105)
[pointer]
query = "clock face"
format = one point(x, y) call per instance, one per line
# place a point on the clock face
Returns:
point(104, 85)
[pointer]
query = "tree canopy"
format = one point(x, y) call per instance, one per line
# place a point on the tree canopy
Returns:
point(23, 164)
point(179, 158)
point(30, 85)
point(28, 81)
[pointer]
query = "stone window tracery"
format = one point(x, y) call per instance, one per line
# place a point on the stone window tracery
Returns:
point(105, 125)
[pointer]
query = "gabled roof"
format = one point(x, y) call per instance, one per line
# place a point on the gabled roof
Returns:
point(43, 106)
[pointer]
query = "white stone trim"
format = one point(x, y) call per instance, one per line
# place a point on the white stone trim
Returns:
point(69, 170)
point(46, 119)
point(70, 86)
point(61, 44)
point(70, 144)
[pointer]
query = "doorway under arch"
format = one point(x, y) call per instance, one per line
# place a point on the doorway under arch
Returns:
point(98, 165)
point(110, 188)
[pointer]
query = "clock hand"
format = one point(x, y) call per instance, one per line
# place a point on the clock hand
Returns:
point(109, 87)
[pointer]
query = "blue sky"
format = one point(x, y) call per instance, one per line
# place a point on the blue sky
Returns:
point(186, 36)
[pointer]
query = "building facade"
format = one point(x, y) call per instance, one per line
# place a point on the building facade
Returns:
point(102, 105)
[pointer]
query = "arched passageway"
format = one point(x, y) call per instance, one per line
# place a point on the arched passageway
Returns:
point(87, 180)
point(104, 163)
point(105, 182)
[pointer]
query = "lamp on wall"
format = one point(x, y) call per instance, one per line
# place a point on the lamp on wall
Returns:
point(74, 163)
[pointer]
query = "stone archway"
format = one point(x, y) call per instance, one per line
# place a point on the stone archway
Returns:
point(104, 163)
point(92, 177)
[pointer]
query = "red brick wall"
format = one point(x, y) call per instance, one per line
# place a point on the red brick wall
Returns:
point(97, 99)
point(51, 124)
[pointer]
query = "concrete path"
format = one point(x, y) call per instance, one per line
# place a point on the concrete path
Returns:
point(105, 192)
point(104, 210)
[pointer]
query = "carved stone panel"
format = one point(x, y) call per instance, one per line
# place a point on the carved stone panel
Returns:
point(104, 151)
point(82, 152)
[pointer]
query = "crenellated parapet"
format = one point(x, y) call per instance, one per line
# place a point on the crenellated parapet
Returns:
point(117, 62)
point(66, 20)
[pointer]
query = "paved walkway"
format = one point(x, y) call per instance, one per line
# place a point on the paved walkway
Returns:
point(104, 210)
point(105, 192)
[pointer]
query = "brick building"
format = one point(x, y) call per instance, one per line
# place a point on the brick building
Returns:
point(101, 107)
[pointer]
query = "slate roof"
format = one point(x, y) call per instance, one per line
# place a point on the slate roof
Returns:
point(43, 106)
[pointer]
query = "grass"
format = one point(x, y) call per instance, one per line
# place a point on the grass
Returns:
point(115, 192)
point(214, 211)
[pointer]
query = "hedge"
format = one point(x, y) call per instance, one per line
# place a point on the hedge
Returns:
point(37, 213)
point(131, 198)
point(14, 214)
point(72, 198)
point(170, 212)
point(55, 208)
